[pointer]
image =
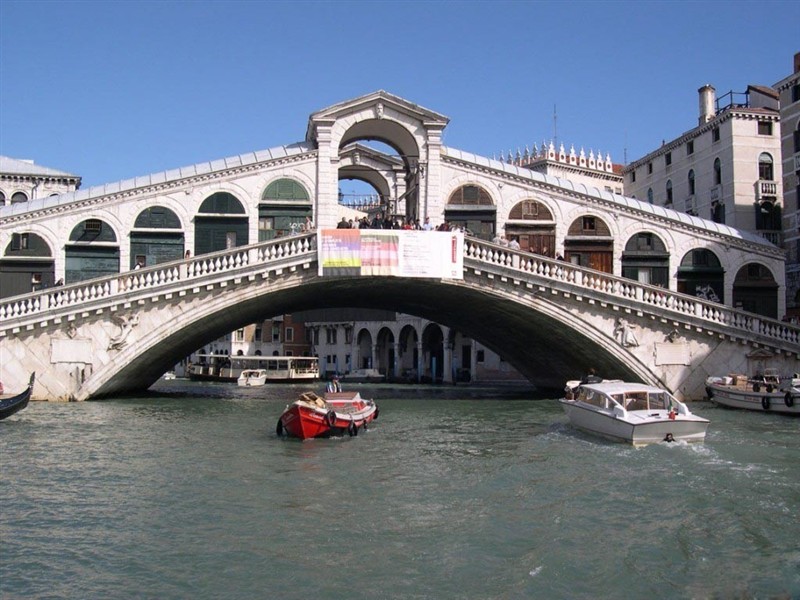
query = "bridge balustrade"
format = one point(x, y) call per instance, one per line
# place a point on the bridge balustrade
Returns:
point(156, 278)
point(684, 305)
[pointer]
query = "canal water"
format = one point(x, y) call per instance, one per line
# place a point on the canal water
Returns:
point(454, 492)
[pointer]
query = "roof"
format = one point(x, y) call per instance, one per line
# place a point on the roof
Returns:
point(621, 387)
point(157, 178)
point(17, 166)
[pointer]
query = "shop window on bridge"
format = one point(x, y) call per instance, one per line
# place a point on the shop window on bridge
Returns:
point(91, 252)
point(27, 265)
point(700, 274)
point(589, 244)
point(532, 224)
point(472, 208)
point(755, 290)
point(157, 237)
point(283, 209)
point(646, 260)
point(220, 224)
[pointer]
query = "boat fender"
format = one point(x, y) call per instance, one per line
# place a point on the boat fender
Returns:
point(352, 429)
point(377, 412)
point(330, 418)
point(756, 387)
point(709, 393)
point(788, 399)
point(765, 402)
point(279, 428)
point(770, 389)
point(364, 425)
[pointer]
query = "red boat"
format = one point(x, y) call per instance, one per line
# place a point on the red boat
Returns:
point(337, 413)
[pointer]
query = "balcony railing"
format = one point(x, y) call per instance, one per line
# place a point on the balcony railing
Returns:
point(773, 237)
point(766, 189)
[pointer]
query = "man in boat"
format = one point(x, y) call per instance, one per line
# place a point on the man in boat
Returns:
point(591, 377)
point(334, 385)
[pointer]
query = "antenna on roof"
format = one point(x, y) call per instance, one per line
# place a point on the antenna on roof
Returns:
point(625, 150)
point(555, 126)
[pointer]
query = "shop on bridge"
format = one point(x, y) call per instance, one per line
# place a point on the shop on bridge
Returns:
point(156, 237)
point(27, 265)
point(283, 209)
point(92, 251)
point(221, 224)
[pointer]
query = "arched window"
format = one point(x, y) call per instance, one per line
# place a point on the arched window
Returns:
point(669, 191)
point(765, 170)
point(690, 179)
point(470, 195)
point(650, 195)
point(717, 172)
point(19, 197)
point(285, 189)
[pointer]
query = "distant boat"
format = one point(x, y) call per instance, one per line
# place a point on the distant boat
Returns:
point(252, 377)
point(766, 393)
point(169, 375)
point(364, 376)
point(279, 368)
point(13, 404)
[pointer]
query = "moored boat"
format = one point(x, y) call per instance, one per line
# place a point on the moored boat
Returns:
point(252, 377)
point(15, 403)
point(766, 393)
point(635, 413)
point(337, 413)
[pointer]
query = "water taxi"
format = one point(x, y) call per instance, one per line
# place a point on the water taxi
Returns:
point(252, 377)
point(635, 413)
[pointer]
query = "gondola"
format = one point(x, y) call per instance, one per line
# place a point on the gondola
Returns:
point(13, 404)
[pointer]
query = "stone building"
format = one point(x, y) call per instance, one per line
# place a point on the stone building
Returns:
point(726, 169)
point(23, 180)
point(789, 91)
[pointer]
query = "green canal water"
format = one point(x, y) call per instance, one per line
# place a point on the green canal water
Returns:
point(454, 492)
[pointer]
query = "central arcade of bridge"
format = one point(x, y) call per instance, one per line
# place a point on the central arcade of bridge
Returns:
point(122, 328)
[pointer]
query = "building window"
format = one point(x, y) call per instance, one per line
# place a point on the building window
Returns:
point(689, 147)
point(668, 158)
point(797, 138)
point(633, 176)
point(257, 334)
point(289, 333)
point(649, 168)
point(796, 92)
point(690, 179)
point(715, 134)
point(479, 356)
point(650, 195)
point(330, 334)
point(276, 332)
point(589, 224)
point(669, 191)
point(239, 337)
point(765, 171)
point(764, 128)
point(309, 336)
point(717, 172)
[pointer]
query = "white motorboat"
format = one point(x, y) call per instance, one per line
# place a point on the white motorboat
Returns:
point(251, 377)
point(767, 393)
point(636, 413)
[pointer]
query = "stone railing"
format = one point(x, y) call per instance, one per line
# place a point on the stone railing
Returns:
point(156, 279)
point(683, 306)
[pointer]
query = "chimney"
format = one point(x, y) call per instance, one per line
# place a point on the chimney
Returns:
point(797, 62)
point(708, 98)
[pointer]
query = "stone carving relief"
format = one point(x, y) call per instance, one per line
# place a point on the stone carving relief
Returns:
point(624, 332)
point(126, 324)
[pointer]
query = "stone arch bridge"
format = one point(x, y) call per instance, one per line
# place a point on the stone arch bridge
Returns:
point(550, 319)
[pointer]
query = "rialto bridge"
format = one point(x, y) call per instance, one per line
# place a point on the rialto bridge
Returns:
point(217, 248)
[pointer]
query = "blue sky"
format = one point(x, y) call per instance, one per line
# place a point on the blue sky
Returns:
point(112, 90)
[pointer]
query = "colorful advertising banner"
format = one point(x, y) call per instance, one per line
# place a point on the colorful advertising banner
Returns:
point(391, 253)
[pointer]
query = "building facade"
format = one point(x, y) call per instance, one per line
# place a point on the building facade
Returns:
point(23, 180)
point(789, 92)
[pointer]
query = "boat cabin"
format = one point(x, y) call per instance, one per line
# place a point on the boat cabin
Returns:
point(627, 397)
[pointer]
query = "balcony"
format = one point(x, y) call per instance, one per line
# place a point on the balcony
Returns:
point(766, 190)
point(773, 237)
